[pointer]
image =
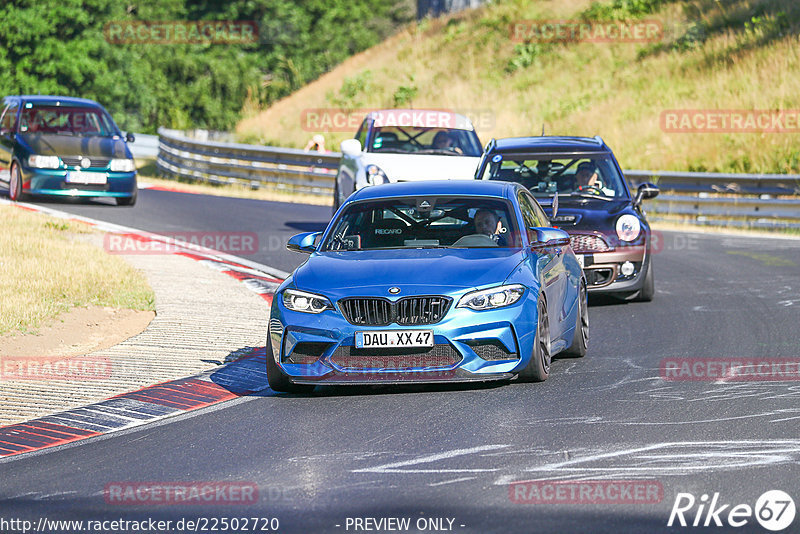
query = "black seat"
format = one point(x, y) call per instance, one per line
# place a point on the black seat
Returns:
point(388, 233)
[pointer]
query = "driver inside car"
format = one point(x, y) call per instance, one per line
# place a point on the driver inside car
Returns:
point(444, 141)
point(488, 223)
point(588, 181)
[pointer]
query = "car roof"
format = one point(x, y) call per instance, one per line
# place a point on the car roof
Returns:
point(549, 143)
point(484, 188)
point(55, 98)
point(420, 118)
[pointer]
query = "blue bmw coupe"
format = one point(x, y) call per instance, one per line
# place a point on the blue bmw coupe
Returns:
point(440, 281)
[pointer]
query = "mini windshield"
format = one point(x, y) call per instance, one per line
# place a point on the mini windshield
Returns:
point(425, 222)
point(413, 140)
point(572, 176)
point(66, 120)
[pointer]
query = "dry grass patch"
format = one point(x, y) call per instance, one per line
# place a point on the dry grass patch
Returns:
point(48, 268)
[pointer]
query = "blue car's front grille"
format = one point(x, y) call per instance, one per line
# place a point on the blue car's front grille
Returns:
point(394, 359)
point(408, 311)
point(96, 163)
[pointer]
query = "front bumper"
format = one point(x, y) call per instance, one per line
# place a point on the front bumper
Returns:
point(468, 346)
point(603, 270)
point(54, 182)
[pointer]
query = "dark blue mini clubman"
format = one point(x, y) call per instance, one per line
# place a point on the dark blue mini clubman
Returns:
point(428, 282)
point(607, 224)
point(56, 145)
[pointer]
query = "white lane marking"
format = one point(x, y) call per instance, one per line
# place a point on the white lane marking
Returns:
point(394, 466)
point(462, 479)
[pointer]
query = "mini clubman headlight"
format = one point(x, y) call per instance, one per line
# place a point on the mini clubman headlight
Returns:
point(628, 227)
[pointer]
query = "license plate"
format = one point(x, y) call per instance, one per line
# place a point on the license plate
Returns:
point(581, 261)
point(82, 177)
point(394, 338)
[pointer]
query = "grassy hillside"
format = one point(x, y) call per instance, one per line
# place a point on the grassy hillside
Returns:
point(715, 54)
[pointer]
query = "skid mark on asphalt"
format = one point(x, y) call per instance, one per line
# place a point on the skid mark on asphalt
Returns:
point(611, 463)
point(403, 466)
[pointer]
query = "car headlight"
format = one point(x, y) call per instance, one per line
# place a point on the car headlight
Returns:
point(495, 297)
point(44, 162)
point(301, 301)
point(376, 176)
point(628, 227)
point(122, 165)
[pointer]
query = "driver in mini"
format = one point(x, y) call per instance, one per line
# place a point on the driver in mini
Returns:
point(588, 181)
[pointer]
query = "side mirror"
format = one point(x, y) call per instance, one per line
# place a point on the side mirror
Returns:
point(548, 237)
point(303, 242)
point(644, 192)
point(351, 147)
point(129, 137)
point(554, 206)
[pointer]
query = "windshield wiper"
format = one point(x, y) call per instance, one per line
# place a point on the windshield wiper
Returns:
point(589, 195)
point(440, 151)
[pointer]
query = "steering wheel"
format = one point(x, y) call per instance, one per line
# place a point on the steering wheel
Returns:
point(475, 240)
point(591, 188)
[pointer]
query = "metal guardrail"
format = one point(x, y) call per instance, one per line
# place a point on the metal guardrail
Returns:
point(747, 200)
point(255, 166)
point(145, 146)
point(702, 198)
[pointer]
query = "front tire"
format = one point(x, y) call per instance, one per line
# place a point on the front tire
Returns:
point(580, 339)
point(277, 379)
point(648, 290)
point(127, 201)
point(15, 184)
point(538, 369)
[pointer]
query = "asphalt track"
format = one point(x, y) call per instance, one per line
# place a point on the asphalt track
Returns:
point(451, 451)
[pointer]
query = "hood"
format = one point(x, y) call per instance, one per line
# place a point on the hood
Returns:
point(589, 214)
point(414, 271)
point(73, 145)
point(413, 167)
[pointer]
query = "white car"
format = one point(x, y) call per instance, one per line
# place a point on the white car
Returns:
point(403, 145)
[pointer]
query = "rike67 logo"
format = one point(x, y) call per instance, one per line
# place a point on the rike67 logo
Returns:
point(774, 510)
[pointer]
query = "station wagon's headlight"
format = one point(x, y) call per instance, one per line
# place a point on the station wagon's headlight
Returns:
point(496, 297)
point(375, 175)
point(628, 227)
point(305, 302)
point(44, 162)
point(122, 165)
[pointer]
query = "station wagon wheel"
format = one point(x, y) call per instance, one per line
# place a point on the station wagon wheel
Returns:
point(15, 184)
point(538, 369)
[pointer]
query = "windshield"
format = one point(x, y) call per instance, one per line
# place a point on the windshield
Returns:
point(423, 222)
point(412, 140)
point(584, 176)
point(66, 120)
